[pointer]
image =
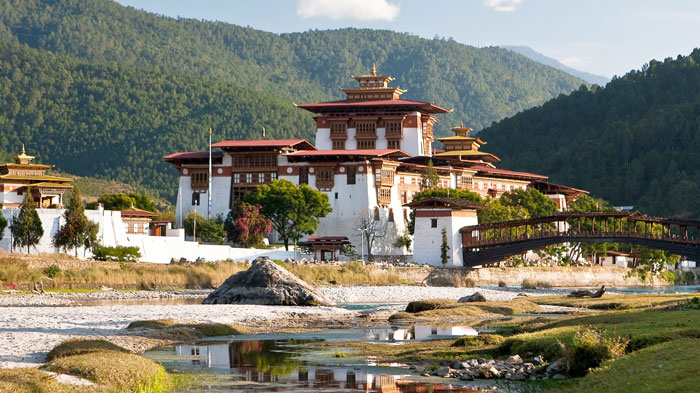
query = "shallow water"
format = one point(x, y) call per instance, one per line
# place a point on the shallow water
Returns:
point(286, 363)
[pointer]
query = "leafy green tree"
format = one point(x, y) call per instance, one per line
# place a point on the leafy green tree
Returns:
point(193, 223)
point(212, 231)
point(294, 210)
point(116, 201)
point(429, 177)
point(125, 202)
point(26, 227)
point(209, 231)
point(537, 204)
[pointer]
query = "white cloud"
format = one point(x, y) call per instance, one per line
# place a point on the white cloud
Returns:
point(364, 10)
point(503, 5)
point(577, 61)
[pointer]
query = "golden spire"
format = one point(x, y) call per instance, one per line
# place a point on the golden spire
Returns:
point(23, 152)
point(374, 70)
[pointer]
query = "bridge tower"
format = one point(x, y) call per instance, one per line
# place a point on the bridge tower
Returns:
point(431, 216)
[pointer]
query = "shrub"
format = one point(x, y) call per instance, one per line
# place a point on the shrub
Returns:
point(52, 271)
point(119, 253)
point(81, 346)
point(527, 284)
point(689, 277)
point(430, 304)
point(478, 341)
point(590, 348)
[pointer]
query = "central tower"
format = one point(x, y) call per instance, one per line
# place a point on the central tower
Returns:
point(374, 117)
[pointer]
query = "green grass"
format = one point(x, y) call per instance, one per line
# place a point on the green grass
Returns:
point(669, 367)
point(438, 310)
point(188, 330)
point(615, 302)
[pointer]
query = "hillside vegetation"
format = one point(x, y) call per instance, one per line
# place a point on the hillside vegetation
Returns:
point(634, 142)
point(118, 122)
point(104, 90)
point(481, 84)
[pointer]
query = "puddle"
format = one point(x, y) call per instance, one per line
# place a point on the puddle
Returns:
point(286, 363)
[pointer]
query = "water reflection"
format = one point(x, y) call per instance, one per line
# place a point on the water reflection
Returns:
point(270, 366)
point(418, 332)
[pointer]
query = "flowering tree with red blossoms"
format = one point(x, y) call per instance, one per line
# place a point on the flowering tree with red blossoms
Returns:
point(246, 225)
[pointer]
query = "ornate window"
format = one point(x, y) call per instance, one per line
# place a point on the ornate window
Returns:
point(365, 144)
point(248, 178)
point(236, 178)
point(384, 195)
point(200, 180)
point(351, 174)
point(338, 129)
point(393, 128)
point(366, 128)
point(261, 178)
point(338, 144)
point(324, 178)
point(394, 144)
point(303, 175)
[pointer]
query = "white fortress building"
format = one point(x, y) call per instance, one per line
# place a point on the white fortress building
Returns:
point(369, 153)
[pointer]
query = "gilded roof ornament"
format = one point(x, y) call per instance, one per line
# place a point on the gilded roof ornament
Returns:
point(374, 70)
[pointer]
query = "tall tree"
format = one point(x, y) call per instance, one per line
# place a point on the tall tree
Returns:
point(294, 210)
point(429, 177)
point(371, 229)
point(76, 229)
point(444, 247)
point(3, 225)
point(26, 227)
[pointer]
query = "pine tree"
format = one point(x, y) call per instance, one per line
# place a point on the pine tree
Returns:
point(429, 177)
point(3, 225)
point(26, 227)
point(77, 230)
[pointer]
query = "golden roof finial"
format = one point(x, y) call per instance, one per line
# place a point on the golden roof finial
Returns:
point(23, 152)
point(374, 70)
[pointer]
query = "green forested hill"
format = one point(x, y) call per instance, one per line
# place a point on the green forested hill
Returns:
point(634, 142)
point(481, 84)
point(118, 122)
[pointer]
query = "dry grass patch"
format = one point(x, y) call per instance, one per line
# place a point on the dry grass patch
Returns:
point(350, 273)
point(616, 302)
point(117, 370)
point(81, 346)
point(450, 310)
point(188, 330)
point(16, 271)
point(31, 380)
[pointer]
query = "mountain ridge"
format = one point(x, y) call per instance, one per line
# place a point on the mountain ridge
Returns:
point(532, 54)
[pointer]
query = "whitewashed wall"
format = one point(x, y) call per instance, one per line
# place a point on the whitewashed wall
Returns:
point(428, 240)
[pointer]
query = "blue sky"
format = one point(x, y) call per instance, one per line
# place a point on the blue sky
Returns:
point(606, 37)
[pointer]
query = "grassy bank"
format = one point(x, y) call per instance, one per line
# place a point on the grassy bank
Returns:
point(641, 343)
point(61, 273)
point(16, 271)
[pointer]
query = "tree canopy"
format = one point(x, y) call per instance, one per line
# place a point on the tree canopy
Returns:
point(294, 210)
point(26, 227)
point(77, 231)
point(633, 142)
point(104, 90)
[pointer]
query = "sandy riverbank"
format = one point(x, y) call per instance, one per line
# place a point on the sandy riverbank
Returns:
point(32, 324)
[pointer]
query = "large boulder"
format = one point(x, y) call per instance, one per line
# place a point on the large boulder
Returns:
point(266, 282)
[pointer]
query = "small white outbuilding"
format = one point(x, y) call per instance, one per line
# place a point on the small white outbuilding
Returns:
point(434, 214)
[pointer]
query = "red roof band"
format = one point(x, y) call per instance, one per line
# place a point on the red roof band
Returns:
point(425, 106)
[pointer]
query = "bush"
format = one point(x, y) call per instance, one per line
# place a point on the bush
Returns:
point(527, 284)
point(430, 304)
point(478, 341)
point(52, 271)
point(689, 277)
point(81, 346)
point(590, 348)
point(119, 253)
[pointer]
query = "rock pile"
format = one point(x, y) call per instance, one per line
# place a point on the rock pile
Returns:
point(513, 369)
point(266, 282)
